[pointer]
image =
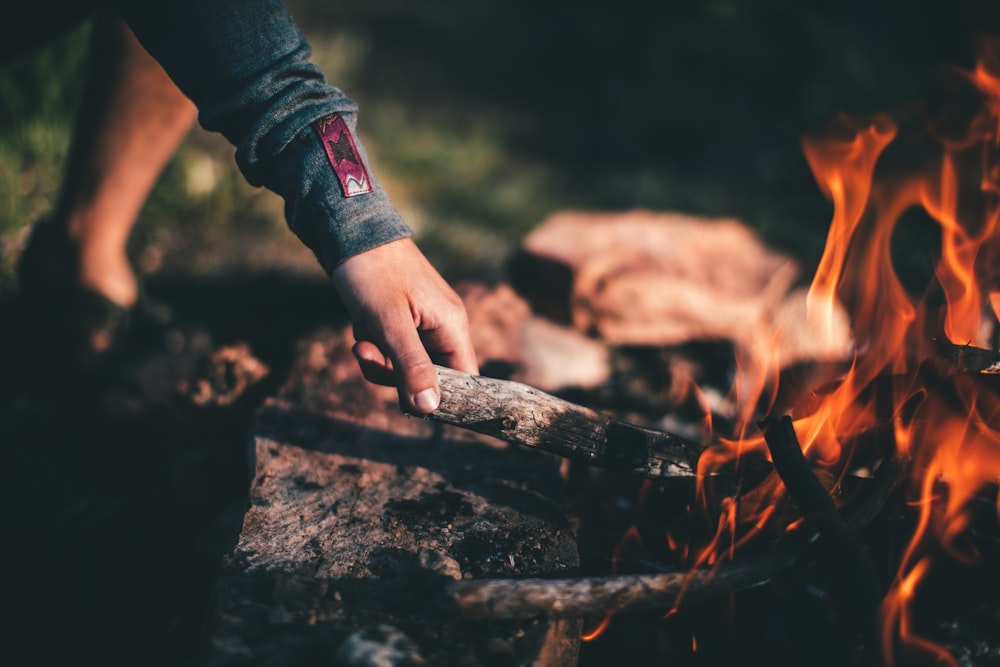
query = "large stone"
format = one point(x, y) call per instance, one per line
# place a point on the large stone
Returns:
point(657, 279)
point(358, 517)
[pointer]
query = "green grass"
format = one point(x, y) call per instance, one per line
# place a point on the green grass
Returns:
point(200, 190)
point(38, 94)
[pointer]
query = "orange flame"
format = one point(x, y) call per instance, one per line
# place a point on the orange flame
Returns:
point(951, 436)
point(952, 442)
point(954, 448)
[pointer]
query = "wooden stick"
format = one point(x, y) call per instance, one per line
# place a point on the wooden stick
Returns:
point(968, 359)
point(845, 553)
point(595, 596)
point(526, 416)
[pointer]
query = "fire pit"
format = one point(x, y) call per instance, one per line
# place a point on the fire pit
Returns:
point(820, 465)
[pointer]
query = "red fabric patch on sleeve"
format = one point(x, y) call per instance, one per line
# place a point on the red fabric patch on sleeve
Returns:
point(343, 155)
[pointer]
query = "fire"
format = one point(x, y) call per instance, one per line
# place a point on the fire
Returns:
point(947, 431)
point(953, 445)
point(955, 448)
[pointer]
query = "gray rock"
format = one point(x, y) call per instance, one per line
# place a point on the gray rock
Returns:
point(360, 515)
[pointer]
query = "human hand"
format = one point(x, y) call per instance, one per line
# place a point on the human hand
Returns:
point(406, 319)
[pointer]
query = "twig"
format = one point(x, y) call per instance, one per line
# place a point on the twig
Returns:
point(594, 596)
point(968, 359)
point(845, 553)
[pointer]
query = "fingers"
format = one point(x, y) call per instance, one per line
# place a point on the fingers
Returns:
point(447, 345)
point(451, 346)
point(414, 370)
point(407, 319)
point(413, 373)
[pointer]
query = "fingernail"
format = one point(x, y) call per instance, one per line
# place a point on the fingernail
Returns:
point(427, 400)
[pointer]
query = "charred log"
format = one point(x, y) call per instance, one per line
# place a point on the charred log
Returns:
point(595, 596)
point(969, 359)
point(842, 547)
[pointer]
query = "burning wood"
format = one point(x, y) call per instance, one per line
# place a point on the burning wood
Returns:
point(969, 359)
point(596, 596)
point(845, 552)
point(523, 415)
point(891, 403)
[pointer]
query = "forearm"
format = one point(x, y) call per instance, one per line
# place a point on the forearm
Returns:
point(245, 64)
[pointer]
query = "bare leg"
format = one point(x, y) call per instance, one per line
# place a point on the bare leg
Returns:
point(129, 125)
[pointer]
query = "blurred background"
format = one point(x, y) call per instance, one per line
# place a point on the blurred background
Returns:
point(483, 117)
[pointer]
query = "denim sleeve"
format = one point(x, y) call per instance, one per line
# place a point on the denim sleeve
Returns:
point(245, 64)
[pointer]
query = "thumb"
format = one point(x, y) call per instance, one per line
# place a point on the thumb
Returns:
point(415, 374)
